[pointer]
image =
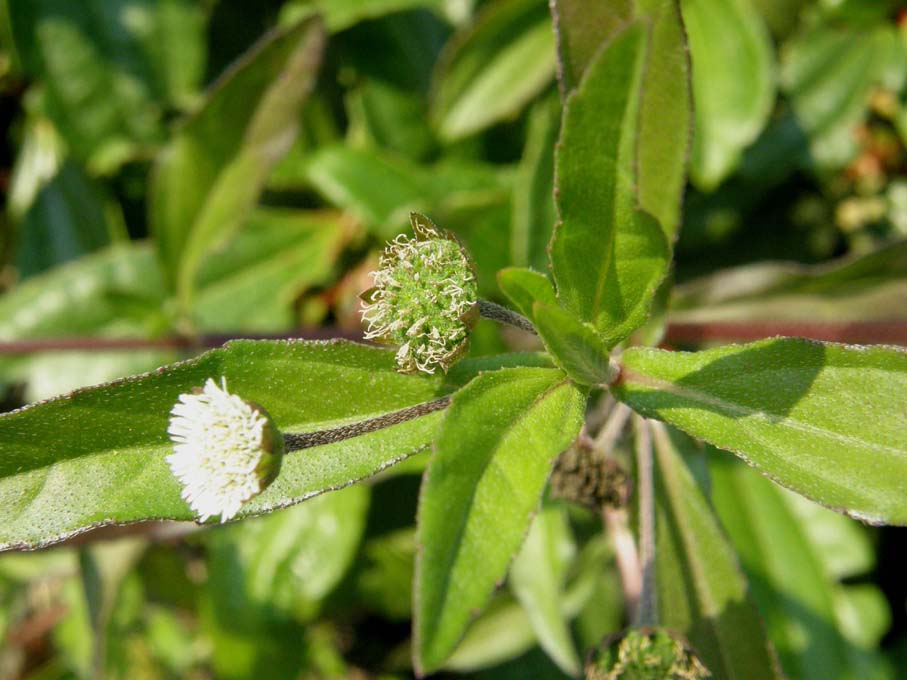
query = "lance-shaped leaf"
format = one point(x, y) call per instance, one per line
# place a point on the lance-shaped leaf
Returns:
point(702, 593)
point(607, 256)
point(867, 287)
point(665, 115)
point(116, 436)
point(575, 346)
point(733, 83)
point(582, 26)
point(796, 596)
point(211, 174)
point(534, 213)
point(823, 419)
point(537, 579)
point(493, 455)
point(665, 106)
point(493, 68)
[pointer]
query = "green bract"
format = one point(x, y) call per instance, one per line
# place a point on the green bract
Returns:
point(424, 299)
point(648, 654)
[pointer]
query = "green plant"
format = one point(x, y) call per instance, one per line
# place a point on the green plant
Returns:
point(592, 396)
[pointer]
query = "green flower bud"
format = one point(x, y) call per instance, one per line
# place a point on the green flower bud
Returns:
point(425, 298)
point(225, 450)
point(645, 654)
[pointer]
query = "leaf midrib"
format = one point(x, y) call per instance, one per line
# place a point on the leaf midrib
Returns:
point(735, 409)
point(455, 550)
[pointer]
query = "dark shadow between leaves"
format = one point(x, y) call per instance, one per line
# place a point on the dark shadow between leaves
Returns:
point(769, 379)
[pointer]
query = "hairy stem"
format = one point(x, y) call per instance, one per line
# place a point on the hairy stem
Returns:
point(626, 556)
point(647, 614)
point(496, 312)
point(306, 440)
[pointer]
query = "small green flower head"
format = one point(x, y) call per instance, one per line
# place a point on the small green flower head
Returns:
point(425, 298)
point(645, 654)
point(225, 450)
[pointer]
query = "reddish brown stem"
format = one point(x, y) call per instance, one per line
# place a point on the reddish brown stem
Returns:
point(854, 332)
point(95, 344)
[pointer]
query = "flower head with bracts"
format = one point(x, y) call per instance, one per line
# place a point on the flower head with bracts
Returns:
point(225, 450)
point(425, 298)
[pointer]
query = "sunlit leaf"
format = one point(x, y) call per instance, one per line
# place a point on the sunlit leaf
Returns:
point(607, 256)
point(116, 435)
point(733, 83)
point(494, 67)
point(702, 593)
point(482, 486)
point(822, 419)
point(210, 175)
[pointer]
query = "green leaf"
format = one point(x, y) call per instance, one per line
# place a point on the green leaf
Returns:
point(665, 115)
point(733, 84)
point(861, 288)
point(702, 593)
point(665, 107)
point(70, 217)
point(843, 545)
point(537, 578)
point(380, 190)
point(289, 561)
point(582, 27)
point(341, 14)
point(641, 258)
point(607, 257)
point(116, 436)
point(390, 117)
point(796, 596)
point(116, 292)
point(574, 345)
point(210, 175)
point(255, 281)
point(828, 71)
point(822, 419)
point(534, 213)
point(481, 488)
point(593, 173)
point(111, 68)
point(493, 68)
point(504, 631)
point(525, 287)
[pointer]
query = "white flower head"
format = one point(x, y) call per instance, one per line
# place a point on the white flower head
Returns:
point(424, 299)
point(225, 450)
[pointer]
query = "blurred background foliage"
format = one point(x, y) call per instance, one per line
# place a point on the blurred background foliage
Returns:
point(182, 168)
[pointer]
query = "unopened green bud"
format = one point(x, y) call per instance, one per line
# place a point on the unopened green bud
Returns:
point(425, 298)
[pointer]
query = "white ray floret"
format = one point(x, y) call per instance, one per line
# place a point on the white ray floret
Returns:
point(221, 450)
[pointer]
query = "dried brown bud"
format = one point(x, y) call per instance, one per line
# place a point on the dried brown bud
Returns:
point(586, 476)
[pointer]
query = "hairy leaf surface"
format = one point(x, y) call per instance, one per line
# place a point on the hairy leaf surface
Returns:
point(825, 420)
point(491, 461)
point(116, 436)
